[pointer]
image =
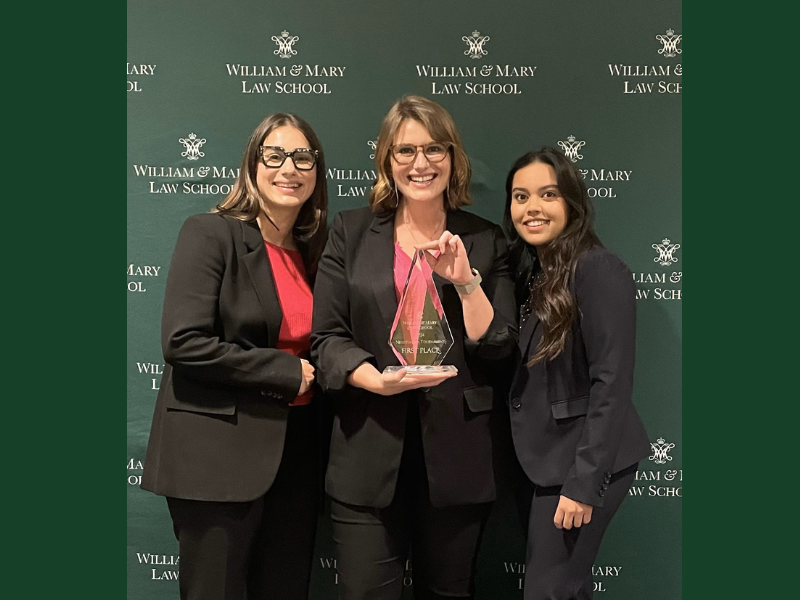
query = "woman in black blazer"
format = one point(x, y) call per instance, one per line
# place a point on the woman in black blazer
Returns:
point(576, 432)
point(411, 455)
point(234, 441)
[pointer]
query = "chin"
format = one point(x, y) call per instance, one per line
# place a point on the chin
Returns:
point(423, 195)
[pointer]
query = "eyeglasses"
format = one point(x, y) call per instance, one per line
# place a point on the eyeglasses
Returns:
point(435, 152)
point(273, 157)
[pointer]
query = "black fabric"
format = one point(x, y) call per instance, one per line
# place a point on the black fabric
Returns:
point(220, 415)
point(372, 544)
point(355, 307)
point(573, 419)
point(558, 563)
point(261, 549)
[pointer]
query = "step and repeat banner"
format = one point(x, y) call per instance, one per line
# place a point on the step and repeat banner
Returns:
point(600, 80)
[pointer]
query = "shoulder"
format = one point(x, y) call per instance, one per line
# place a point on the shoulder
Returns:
point(473, 223)
point(355, 215)
point(356, 221)
point(212, 226)
point(597, 258)
point(208, 222)
point(601, 267)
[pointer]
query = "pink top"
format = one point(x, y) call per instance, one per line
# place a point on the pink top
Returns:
point(417, 286)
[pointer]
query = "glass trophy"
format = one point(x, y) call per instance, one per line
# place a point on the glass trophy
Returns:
point(420, 336)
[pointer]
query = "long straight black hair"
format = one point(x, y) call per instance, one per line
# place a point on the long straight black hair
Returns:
point(554, 263)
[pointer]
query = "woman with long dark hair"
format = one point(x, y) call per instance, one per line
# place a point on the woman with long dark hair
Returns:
point(234, 441)
point(576, 432)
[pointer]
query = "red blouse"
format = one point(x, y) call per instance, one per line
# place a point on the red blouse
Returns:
point(294, 295)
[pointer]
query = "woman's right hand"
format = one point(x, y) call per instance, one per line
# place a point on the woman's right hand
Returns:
point(369, 378)
point(308, 377)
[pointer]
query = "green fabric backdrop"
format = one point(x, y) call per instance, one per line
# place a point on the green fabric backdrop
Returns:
point(601, 79)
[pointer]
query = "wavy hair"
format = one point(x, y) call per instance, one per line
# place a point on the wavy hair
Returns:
point(439, 123)
point(545, 273)
point(245, 200)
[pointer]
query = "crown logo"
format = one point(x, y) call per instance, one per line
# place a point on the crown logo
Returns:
point(665, 251)
point(285, 42)
point(670, 43)
point(571, 147)
point(475, 44)
point(660, 449)
point(192, 145)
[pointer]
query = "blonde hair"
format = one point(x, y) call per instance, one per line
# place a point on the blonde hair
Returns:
point(440, 125)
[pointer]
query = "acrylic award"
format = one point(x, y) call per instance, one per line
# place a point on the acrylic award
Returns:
point(420, 336)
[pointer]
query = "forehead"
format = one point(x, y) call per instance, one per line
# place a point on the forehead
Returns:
point(287, 137)
point(412, 132)
point(535, 175)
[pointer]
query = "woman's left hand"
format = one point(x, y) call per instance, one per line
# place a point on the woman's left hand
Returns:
point(571, 513)
point(452, 263)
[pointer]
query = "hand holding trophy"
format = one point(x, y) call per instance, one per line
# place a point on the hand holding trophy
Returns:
point(420, 336)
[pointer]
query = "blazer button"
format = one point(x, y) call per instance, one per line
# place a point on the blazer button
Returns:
point(604, 486)
point(263, 392)
point(601, 493)
point(516, 403)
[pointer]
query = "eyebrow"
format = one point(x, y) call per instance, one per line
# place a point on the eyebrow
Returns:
point(544, 187)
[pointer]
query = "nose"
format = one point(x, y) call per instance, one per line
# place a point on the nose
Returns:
point(533, 206)
point(288, 166)
point(420, 160)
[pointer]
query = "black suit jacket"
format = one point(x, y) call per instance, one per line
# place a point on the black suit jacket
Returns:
point(356, 304)
point(572, 419)
point(220, 415)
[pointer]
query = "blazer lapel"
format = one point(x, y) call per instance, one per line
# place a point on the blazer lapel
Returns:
point(379, 261)
point(526, 336)
point(260, 271)
point(528, 333)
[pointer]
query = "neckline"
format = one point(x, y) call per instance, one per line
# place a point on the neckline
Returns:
point(282, 248)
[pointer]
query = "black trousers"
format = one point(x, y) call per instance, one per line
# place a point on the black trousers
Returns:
point(258, 550)
point(372, 544)
point(558, 562)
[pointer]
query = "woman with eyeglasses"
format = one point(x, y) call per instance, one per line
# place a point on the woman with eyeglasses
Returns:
point(235, 435)
point(410, 465)
point(576, 432)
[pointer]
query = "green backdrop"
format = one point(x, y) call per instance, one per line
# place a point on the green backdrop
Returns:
point(600, 79)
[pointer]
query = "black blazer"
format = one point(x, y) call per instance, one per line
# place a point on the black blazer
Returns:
point(356, 304)
point(220, 415)
point(572, 419)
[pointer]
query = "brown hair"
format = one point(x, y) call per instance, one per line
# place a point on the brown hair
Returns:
point(244, 200)
point(549, 280)
point(440, 125)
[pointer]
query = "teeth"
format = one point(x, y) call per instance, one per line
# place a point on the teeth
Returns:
point(535, 223)
point(288, 185)
point(421, 179)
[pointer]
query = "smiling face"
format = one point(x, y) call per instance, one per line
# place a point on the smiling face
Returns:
point(285, 187)
point(420, 180)
point(538, 211)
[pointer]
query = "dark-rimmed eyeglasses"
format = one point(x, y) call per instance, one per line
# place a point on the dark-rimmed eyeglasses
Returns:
point(435, 152)
point(273, 157)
